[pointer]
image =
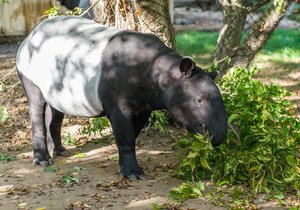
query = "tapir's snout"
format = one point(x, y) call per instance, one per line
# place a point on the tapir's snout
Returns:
point(218, 133)
point(218, 138)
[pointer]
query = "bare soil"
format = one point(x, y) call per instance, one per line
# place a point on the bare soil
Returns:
point(23, 186)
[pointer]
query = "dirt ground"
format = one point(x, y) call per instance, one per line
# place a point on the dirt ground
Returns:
point(23, 186)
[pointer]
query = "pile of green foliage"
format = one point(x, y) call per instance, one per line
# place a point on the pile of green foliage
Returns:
point(262, 146)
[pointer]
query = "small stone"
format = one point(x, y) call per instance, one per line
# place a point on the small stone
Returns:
point(19, 176)
point(22, 205)
point(15, 197)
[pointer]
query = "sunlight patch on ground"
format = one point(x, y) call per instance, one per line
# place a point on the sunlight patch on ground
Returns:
point(26, 170)
point(153, 152)
point(295, 75)
point(5, 188)
point(71, 128)
point(100, 154)
point(25, 155)
point(146, 202)
point(107, 153)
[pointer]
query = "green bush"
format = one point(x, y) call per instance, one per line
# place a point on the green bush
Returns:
point(158, 121)
point(96, 125)
point(262, 150)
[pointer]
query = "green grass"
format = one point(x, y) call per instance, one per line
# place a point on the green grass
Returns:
point(283, 48)
point(199, 45)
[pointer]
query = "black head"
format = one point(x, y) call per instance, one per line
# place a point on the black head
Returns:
point(195, 101)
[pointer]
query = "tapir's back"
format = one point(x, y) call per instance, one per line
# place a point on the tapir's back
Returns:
point(63, 57)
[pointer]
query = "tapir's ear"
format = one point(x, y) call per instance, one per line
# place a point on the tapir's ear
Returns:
point(213, 74)
point(187, 66)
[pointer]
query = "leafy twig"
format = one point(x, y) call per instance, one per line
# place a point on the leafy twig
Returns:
point(234, 130)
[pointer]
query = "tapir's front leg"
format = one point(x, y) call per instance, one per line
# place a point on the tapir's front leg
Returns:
point(124, 132)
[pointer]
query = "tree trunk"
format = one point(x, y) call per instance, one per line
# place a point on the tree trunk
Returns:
point(241, 52)
point(147, 16)
point(259, 32)
point(230, 35)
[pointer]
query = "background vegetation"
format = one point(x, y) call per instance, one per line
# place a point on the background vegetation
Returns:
point(261, 153)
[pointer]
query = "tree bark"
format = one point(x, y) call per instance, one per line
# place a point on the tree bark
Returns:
point(230, 35)
point(241, 52)
point(259, 32)
point(147, 16)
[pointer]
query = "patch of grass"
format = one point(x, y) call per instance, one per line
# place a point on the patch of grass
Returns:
point(69, 178)
point(50, 169)
point(283, 38)
point(282, 48)
point(5, 157)
point(199, 45)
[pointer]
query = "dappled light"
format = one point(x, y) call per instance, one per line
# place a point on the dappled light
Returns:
point(4, 189)
point(89, 71)
point(145, 202)
point(101, 154)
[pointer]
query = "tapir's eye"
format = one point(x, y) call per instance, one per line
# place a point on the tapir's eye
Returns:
point(199, 99)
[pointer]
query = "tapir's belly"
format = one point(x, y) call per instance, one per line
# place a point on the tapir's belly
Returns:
point(62, 56)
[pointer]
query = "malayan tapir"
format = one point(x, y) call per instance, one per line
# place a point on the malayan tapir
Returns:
point(71, 65)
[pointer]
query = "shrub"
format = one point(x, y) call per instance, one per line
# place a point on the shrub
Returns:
point(261, 148)
point(96, 125)
point(158, 121)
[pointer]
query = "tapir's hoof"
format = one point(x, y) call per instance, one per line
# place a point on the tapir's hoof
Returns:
point(64, 153)
point(135, 177)
point(42, 163)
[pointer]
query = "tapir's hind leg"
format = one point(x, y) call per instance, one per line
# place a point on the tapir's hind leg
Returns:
point(54, 120)
point(37, 106)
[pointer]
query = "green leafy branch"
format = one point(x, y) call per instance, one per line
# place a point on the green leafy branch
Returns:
point(3, 1)
point(262, 149)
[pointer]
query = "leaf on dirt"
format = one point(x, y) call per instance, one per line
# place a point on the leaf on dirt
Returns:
point(41, 208)
point(50, 169)
point(167, 206)
point(69, 179)
point(79, 205)
point(23, 190)
point(62, 162)
point(115, 158)
point(80, 155)
point(97, 196)
point(121, 184)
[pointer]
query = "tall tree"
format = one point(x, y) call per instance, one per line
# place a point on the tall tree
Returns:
point(148, 16)
point(242, 50)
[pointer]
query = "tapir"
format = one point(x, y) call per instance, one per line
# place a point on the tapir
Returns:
point(74, 66)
